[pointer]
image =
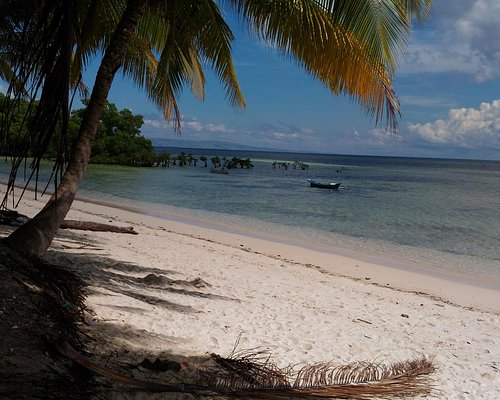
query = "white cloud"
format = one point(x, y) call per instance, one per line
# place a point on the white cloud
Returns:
point(217, 128)
point(464, 127)
point(463, 40)
point(192, 125)
point(382, 134)
point(437, 58)
point(187, 125)
point(285, 136)
point(372, 137)
point(156, 123)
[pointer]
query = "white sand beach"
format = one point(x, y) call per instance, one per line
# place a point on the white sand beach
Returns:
point(212, 286)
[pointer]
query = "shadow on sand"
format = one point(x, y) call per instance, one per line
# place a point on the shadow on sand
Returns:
point(31, 321)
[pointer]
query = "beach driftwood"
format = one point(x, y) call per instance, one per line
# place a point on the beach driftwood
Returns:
point(13, 218)
point(96, 227)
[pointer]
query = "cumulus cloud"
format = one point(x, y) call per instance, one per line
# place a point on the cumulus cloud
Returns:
point(382, 135)
point(461, 39)
point(187, 125)
point(371, 138)
point(192, 125)
point(283, 135)
point(155, 123)
point(217, 128)
point(464, 127)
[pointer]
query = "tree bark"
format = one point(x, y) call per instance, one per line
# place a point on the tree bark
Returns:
point(34, 237)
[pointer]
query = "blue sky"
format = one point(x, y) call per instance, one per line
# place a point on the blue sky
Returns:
point(448, 83)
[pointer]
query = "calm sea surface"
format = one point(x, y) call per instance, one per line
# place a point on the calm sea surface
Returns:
point(444, 213)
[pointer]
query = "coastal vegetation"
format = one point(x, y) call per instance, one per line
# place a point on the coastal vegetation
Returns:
point(162, 46)
point(118, 139)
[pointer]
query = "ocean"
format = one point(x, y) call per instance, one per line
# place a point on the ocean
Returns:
point(441, 213)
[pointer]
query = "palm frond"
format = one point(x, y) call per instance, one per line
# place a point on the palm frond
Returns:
point(41, 61)
point(6, 73)
point(173, 42)
point(252, 375)
point(97, 21)
point(140, 63)
point(418, 10)
point(351, 46)
point(51, 43)
point(214, 40)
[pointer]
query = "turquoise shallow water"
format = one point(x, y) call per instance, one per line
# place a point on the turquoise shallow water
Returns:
point(444, 213)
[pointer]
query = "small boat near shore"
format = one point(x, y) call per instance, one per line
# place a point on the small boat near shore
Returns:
point(324, 185)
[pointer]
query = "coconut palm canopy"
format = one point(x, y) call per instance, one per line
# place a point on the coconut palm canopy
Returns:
point(349, 45)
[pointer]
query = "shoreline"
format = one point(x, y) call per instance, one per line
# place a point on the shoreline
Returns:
point(179, 291)
point(394, 273)
point(445, 285)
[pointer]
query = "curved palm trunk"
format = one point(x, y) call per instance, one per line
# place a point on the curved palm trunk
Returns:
point(34, 237)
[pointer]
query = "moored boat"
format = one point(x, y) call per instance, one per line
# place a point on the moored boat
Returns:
point(324, 185)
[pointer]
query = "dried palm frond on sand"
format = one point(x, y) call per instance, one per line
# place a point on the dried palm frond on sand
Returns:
point(252, 375)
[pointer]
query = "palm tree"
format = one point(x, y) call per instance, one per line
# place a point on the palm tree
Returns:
point(349, 45)
point(178, 62)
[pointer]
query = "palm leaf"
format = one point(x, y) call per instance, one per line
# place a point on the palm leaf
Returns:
point(51, 43)
point(174, 40)
point(97, 21)
point(351, 46)
point(41, 61)
point(213, 41)
point(252, 375)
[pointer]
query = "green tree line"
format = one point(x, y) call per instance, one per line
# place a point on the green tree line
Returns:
point(118, 138)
